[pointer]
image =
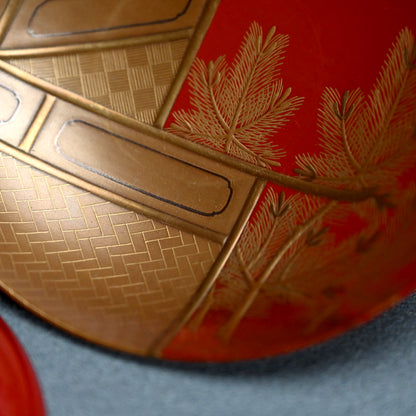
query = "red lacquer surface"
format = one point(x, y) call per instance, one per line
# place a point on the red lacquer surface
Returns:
point(341, 45)
point(19, 391)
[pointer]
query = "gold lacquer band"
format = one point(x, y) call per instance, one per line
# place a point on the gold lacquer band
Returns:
point(7, 17)
point(258, 171)
point(197, 38)
point(37, 123)
point(94, 46)
point(204, 289)
point(111, 196)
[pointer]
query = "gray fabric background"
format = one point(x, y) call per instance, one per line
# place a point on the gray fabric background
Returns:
point(368, 371)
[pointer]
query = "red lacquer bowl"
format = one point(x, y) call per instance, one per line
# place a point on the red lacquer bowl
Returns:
point(20, 394)
point(208, 180)
point(353, 64)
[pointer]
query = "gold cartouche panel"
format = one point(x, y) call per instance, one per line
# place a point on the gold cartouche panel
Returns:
point(113, 252)
point(128, 162)
point(135, 69)
point(40, 23)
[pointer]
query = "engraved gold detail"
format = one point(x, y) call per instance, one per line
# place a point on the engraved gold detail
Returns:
point(257, 171)
point(208, 194)
point(75, 48)
point(212, 276)
point(133, 81)
point(21, 33)
point(10, 104)
point(183, 70)
point(115, 198)
point(118, 77)
point(90, 266)
point(124, 279)
point(238, 108)
point(367, 144)
point(127, 14)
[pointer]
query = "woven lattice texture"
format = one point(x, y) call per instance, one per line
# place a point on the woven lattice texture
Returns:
point(104, 272)
point(132, 81)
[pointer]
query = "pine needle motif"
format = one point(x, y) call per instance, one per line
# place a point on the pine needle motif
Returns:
point(295, 226)
point(366, 142)
point(238, 108)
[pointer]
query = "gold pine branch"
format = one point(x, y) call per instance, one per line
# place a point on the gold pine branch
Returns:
point(367, 144)
point(229, 328)
point(368, 141)
point(238, 108)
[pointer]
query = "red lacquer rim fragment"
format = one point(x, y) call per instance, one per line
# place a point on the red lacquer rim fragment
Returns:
point(20, 394)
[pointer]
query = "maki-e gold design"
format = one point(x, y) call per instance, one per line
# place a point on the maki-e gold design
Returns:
point(129, 233)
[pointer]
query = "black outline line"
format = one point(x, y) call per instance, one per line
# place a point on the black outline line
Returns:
point(142, 191)
point(81, 32)
point(19, 102)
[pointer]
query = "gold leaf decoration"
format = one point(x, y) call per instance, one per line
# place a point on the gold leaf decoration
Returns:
point(300, 230)
point(289, 252)
point(238, 108)
point(369, 141)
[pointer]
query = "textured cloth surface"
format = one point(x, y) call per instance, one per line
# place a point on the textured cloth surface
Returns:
point(368, 371)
